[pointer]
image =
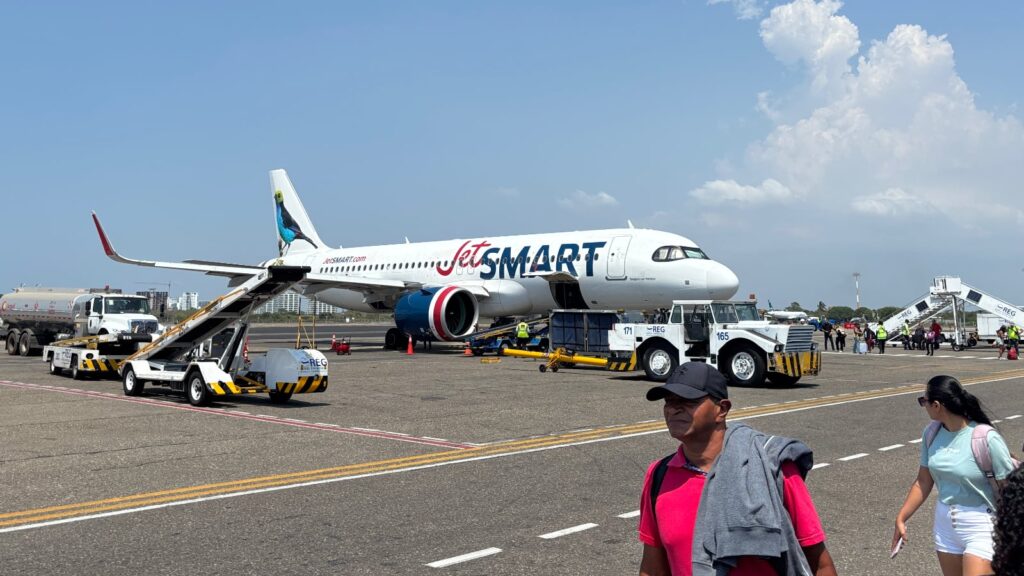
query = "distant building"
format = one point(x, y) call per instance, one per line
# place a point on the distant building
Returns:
point(157, 301)
point(294, 303)
point(188, 301)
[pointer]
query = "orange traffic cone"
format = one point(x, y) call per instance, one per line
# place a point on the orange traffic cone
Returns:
point(408, 349)
point(467, 351)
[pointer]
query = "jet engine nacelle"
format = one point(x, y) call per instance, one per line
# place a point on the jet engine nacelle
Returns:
point(443, 313)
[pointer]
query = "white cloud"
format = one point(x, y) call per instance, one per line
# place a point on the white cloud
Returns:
point(722, 191)
point(810, 33)
point(892, 202)
point(744, 9)
point(581, 199)
point(901, 120)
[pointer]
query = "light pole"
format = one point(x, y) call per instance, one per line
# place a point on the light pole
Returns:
point(856, 283)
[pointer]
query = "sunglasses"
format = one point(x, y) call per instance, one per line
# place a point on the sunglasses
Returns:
point(923, 400)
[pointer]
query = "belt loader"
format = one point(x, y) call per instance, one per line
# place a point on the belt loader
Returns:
point(180, 359)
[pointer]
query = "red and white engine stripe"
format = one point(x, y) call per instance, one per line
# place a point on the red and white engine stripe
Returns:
point(437, 307)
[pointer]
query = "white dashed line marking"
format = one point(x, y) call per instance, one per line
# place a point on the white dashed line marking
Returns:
point(996, 421)
point(573, 530)
point(632, 514)
point(852, 457)
point(1015, 416)
point(893, 447)
point(464, 557)
point(822, 465)
point(917, 441)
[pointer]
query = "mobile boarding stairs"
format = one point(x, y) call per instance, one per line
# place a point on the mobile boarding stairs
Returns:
point(175, 358)
point(951, 292)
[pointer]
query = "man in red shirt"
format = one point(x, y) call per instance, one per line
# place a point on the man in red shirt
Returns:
point(696, 406)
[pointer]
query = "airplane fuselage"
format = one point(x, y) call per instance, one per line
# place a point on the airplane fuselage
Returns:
point(530, 274)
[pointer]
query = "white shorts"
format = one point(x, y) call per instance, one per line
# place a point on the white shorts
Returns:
point(964, 530)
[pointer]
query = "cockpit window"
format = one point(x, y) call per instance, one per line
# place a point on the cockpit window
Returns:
point(671, 253)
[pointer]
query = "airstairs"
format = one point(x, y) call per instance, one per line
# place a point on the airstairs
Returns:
point(950, 291)
point(220, 314)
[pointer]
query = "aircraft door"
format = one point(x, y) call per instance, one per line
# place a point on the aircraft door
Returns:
point(617, 258)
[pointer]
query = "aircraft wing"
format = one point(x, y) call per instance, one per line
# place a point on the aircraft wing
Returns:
point(233, 271)
point(315, 283)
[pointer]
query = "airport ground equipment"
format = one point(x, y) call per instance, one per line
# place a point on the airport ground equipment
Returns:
point(90, 355)
point(31, 318)
point(561, 357)
point(951, 292)
point(583, 331)
point(180, 360)
point(730, 336)
point(497, 339)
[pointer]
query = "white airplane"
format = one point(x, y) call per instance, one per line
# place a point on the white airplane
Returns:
point(787, 315)
point(438, 290)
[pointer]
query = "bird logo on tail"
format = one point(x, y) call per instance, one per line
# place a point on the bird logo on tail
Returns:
point(287, 230)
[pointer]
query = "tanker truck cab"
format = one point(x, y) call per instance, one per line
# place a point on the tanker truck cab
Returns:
point(114, 314)
point(729, 335)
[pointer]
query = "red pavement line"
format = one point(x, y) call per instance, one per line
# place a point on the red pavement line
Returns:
point(255, 417)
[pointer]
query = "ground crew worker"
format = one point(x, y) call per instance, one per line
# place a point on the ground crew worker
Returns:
point(523, 334)
point(906, 335)
point(1013, 338)
point(882, 336)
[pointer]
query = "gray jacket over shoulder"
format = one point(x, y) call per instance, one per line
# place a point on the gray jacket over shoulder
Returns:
point(741, 512)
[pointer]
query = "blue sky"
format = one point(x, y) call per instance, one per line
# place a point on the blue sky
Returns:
point(795, 142)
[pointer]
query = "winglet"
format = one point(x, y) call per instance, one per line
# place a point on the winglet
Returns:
point(108, 248)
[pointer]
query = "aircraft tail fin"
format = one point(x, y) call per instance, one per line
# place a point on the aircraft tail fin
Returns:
point(295, 231)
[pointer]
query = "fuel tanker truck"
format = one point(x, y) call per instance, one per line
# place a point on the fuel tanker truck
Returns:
point(31, 318)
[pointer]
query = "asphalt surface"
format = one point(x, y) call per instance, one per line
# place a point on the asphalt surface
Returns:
point(407, 461)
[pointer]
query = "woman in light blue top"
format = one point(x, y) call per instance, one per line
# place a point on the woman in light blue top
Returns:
point(964, 513)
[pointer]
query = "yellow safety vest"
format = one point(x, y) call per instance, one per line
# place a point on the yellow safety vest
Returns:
point(881, 333)
point(906, 330)
point(1013, 333)
point(523, 330)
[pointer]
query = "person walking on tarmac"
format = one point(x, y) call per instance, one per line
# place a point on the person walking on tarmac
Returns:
point(905, 331)
point(826, 328)
point(522, 334)
point(882, 334)
point(1013, 338)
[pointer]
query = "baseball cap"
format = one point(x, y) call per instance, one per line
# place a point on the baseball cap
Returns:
point(692, 380)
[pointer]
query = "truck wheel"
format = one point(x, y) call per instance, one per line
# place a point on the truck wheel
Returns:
point(12, 342)
point(660, 362)
point(132, 385)
point(280, 397)
point(195, 389)
point(76, 374)
point(24, 344)
point(745, 367)
point(782, 379)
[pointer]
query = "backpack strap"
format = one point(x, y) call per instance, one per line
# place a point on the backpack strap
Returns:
point(979, 447)
point(657, 478)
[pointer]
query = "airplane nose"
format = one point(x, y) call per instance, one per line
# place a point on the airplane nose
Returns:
point(722, 283)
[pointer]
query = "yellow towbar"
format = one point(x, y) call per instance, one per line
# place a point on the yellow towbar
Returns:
point(565, 357)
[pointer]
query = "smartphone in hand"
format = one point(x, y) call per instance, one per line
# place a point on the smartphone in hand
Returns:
point(896, 549)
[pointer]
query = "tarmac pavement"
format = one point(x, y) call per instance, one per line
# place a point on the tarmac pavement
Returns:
point(411, 461)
